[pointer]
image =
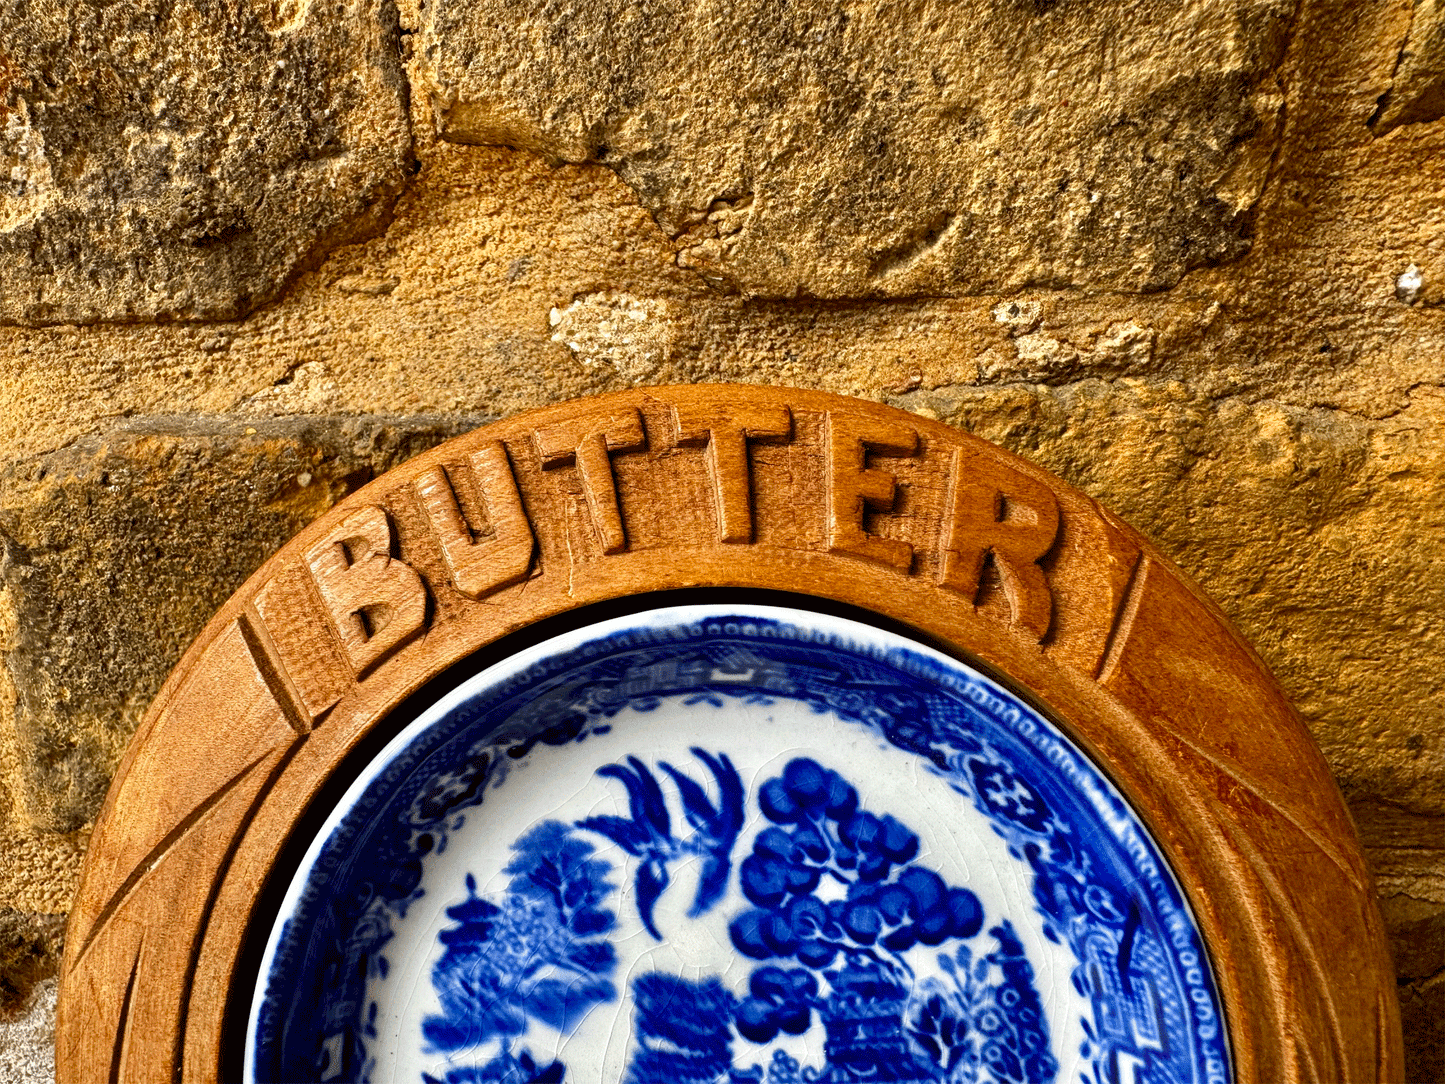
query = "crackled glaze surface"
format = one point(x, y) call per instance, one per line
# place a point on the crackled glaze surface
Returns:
point(734, 844)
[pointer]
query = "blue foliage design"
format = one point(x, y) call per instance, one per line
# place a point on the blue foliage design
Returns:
point(974, 1029)
point(1120, 972)
point(881, 1022)
point(831, 898)
point(648, 833)
point(820, 832)
point(541, 955)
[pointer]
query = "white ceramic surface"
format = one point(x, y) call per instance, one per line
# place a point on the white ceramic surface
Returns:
point(728, 844)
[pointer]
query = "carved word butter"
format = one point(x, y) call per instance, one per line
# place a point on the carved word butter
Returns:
point(374, 602)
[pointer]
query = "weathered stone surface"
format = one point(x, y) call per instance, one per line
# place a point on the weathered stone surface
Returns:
point(1417, 90)
point(29, 944)
point(884, 149)
point(1405, 851)
point(118, 549)
point(628, 335)
point(184, 159)
point(1422, 1016)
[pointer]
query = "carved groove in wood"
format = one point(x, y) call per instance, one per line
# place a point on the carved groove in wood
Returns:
point(722, 486)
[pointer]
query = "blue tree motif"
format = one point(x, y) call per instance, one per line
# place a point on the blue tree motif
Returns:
point(970, 1026)
point(1018, 1047)
point(854, 933)
point(647, 834)
point(541, 955)
point(886, 902)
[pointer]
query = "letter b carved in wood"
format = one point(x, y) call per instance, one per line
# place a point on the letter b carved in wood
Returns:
point(375, 601)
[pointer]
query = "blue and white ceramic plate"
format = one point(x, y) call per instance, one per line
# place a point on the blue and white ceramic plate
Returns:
point(725, 844)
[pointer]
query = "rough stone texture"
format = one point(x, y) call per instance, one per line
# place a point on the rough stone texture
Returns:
point(184, 159)
point(118, 548)
point(27, 1039)
point(1406, 851)
point(1417, 91)
point(886, 149)
point(28, 946)
point(1275, 421)
point(1327, 517)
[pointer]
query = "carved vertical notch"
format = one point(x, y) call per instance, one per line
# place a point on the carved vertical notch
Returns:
point(992, 509)
point(120, 1046)
point(589, 441)
point(376, 603)
point(294, 652)
point(479, 563)
point(853, 487)
point(727, 429)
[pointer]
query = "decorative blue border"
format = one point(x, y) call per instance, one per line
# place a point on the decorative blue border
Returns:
point(1099, 883)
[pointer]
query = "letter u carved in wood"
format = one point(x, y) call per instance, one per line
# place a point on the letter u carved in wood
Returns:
point(479, 562)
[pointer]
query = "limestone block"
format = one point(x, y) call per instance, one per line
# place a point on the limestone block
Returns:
point(1417, 91)
point(119, 548)
point(29, 944)
point(185, 159)
point(1422, 1013)
point(881, 149)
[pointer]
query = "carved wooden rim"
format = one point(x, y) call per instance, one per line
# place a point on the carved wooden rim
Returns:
point(723, 486)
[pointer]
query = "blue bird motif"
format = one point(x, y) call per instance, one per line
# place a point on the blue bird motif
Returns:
point(647, 834)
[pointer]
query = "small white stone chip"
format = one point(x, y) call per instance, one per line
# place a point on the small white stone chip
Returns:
point(1021, 317)
point(617, 330)
point(1407, 286)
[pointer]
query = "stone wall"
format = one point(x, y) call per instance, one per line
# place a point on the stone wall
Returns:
point(1191, 257)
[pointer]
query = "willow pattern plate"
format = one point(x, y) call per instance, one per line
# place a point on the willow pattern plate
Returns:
point(726, 844)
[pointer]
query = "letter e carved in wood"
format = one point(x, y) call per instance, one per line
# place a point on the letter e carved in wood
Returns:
point(479, 563)
point(993, 509)
point(376, 603)
point(727, 429)
point(589, 441)
point(852, 486)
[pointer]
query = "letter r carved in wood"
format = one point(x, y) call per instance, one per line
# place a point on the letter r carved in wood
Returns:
point(992, 509)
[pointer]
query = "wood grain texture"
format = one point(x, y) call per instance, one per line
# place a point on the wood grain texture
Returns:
point(653, 489)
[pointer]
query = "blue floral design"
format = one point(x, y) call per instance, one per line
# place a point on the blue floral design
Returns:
point(648, 833)
point(974, 1029)
point(882, 1024)
point(820, 832)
